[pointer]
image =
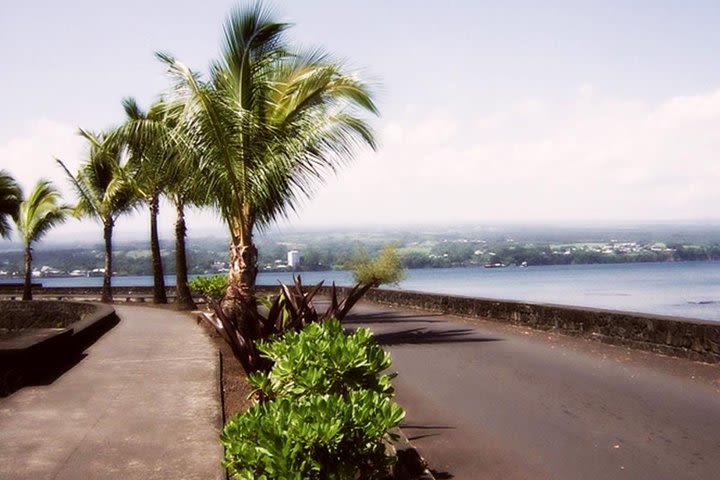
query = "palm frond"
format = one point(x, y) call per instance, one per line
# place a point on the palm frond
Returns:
point(41, 211)
point(10, 198)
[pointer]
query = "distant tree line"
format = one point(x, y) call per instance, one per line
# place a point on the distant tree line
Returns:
point(205, 256)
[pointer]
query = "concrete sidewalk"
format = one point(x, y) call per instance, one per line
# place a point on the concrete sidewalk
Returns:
point(142, 404)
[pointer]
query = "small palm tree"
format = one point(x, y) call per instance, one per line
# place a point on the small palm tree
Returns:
point(105, 191)
point(40, 212)
point(185, 188)
point(10, 198)
point(269, 123)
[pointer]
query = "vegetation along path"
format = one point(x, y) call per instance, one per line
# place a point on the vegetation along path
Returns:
point(142, 404)
point(486, 400)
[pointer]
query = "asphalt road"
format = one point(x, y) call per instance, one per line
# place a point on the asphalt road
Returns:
point(486, 400)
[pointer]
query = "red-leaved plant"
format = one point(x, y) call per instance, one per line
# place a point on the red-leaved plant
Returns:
point(291, 309)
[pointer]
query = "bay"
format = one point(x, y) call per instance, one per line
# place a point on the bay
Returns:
point(681, 289)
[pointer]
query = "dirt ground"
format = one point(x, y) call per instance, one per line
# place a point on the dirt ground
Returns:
point(235, 387)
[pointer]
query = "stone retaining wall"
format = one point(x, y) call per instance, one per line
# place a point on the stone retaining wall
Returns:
point(41, 314)
point(686, 338)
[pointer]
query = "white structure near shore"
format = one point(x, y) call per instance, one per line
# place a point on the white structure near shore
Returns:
point(293, 259)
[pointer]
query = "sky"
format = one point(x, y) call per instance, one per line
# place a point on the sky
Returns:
point(513, 111)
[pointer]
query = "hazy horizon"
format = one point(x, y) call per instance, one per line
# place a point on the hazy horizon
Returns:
point(569, 229)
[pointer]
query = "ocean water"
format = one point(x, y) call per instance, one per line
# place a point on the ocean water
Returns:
point(683, 289)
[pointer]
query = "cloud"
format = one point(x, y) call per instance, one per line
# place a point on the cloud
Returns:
point(32, 155)
point(587, 157)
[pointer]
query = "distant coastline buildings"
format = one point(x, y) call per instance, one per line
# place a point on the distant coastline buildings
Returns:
point(293, 259)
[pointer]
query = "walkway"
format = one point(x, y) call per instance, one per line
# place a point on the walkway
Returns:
point(486, 400)
point(142, 404)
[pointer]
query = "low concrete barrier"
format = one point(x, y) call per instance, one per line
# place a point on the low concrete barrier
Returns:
point(679, 337)
point(40, 336)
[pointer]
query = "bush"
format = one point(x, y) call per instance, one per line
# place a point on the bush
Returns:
point(385, 269)
point(323, 359)
point(328, 437)
point(213, 287)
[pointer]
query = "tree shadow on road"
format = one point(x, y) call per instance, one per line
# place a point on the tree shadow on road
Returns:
point(391, 317)
point(441, 475)
point(428, 336)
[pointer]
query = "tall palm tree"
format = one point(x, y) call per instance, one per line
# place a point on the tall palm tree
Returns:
point(269, 123)
point(166, 164)
point(105, 191)
point(183, 193)
point(10, 198)
point(152, 154)
point(38, 213)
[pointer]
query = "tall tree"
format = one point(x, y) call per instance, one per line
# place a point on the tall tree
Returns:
point(165, 163)
point(38, 213)
point(10, 198)
point(270, 123)
point(152, 154)
point(105, 191)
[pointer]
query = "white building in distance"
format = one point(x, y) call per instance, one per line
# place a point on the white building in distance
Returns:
point(293, 259)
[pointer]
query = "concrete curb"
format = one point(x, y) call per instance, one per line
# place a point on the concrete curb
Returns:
point(410, 465)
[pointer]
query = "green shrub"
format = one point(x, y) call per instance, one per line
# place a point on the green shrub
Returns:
point(213, 287)
point(385, 269)
point(328, 437)
point(322, 359)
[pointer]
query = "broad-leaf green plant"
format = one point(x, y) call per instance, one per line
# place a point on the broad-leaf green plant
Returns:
point(314, 437)
point(211, 287)
point(321, 359)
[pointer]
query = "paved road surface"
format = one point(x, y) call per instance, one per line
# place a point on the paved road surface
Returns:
point(142, 404)
point(491, 401)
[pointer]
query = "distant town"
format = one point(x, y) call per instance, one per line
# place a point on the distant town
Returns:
point(438, 248)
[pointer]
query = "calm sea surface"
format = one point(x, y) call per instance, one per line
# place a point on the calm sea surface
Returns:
point(687, 289)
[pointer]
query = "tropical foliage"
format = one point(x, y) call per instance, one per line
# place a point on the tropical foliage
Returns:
point(290, 310)
point(323, 359)
point(10, 198)
point(325, 410)
point(386, 268)
point(315, 437)
point(37, 214)
point(105, 191)
point(270, 123)
point(151, 157)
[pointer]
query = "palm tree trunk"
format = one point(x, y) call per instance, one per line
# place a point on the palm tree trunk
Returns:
point(240, 302)
point(106, 296)
point(183, 296)
point(27, 286)
point(243, 271)
point(159, 295)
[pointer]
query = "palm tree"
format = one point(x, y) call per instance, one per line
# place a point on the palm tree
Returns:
point(10, 198)
point(105, 191)
point(182, 193)
point(37, 214)
point(165, 163)
point(152, 153)
point(270, 123)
